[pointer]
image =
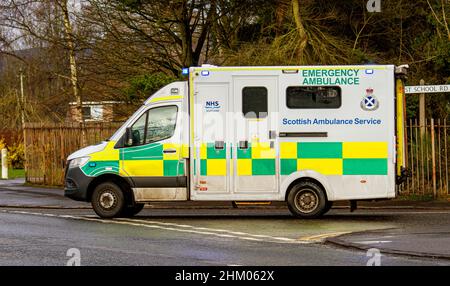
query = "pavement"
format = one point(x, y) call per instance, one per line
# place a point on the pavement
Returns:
point(13, 193)
point(395, 227)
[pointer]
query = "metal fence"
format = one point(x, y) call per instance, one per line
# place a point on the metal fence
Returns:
point(48, 145)
point(427, 158)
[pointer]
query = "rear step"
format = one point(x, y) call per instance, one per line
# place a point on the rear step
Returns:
point(237, 204)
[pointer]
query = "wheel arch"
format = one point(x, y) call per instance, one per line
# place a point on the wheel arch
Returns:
point(124, 184)
point(311, 176)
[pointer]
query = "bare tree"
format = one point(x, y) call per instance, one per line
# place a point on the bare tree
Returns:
point(46, 25)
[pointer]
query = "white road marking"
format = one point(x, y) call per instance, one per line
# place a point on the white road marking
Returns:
point(373, 241)
point(234, 265)
point(234, 233)
point(321, 237)
point(174, 227)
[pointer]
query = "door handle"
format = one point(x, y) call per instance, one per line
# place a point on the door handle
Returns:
point(272, 134)
point(243, 144)
point(219, 145)
point(169, 151)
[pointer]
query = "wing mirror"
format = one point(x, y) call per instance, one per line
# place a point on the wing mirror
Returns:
point(128, 136)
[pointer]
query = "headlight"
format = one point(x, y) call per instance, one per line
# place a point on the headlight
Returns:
point(78, 162)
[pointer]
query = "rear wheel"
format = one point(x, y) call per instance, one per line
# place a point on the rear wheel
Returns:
point(307, 200)
point(130, 211)
point(108, 200)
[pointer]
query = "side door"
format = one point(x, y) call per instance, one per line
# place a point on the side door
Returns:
point(255, 135)
point(154, 160)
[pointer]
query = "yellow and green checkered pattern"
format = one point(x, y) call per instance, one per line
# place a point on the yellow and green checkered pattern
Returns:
point(257, 159)
point(146, 160)
point(213, 161)
point(334, 158)
point(327, 158)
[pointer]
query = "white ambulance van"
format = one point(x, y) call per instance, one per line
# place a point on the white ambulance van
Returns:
point(306, 135)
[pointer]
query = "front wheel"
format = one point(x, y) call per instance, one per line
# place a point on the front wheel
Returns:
point(108, 200)
point(307, 200)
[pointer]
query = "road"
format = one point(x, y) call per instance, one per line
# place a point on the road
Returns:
point(39, 236)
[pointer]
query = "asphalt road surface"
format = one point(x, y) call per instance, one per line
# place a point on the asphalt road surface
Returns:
point(206, 237)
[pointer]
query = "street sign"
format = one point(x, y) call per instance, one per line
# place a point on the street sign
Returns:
point(427, 88)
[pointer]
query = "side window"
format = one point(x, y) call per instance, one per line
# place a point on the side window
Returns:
point(254, 102)
point(161, 123)
point(320, 97)
point(138, 130)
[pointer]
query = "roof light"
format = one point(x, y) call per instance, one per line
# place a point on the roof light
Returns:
point(205, 73)
point(369, 71)
point(290, 71)
point(185, 71)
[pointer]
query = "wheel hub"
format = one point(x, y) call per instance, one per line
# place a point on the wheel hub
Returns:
point(107, 200)
point(307, 201)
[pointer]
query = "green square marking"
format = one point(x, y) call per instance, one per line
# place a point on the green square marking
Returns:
point(319, 150)
point(288, 166)
point(244, 153)
point(213, 153)
point(145, 152)
point(203, 167)
point(170, 167)
point(365, 166)
point(263, 167)
point(180, 169)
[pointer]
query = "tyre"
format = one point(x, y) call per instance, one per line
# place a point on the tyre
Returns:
point(108, 200)
point(130, 211)
point(307, 200)
point(328, 207)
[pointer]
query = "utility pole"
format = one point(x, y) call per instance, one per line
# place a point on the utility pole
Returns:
point(22, 100)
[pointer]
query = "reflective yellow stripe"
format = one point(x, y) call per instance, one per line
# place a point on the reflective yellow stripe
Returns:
point(244, 167)
point(400, 127)
point(288, 68)
point(323, 166)
point(164, 98)
point(144, 167)
point(262, 150)
point(107, 154)
point(216, 167)
point(288, 150)
point(364, 150)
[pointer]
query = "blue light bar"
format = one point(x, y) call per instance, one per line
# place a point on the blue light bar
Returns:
point(185, 71)
point(205, 73)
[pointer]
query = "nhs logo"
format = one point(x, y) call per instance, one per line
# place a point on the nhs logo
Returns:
point(212, 105)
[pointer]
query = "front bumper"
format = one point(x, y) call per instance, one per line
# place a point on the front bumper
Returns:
point(76, 184)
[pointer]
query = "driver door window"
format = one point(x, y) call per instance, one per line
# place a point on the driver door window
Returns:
point(154, 125)
point(138, 130)
point(161, 123)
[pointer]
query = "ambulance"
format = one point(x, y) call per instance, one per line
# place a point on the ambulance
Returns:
point(305, 135)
